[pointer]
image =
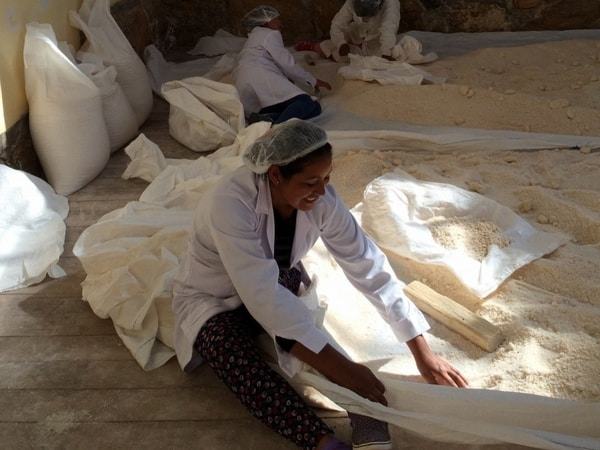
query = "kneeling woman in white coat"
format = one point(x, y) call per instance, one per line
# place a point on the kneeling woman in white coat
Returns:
point(263, 71)
point(243, 275)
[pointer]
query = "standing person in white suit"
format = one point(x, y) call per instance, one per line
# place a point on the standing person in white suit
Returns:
point(271, 85)
point(363, 27)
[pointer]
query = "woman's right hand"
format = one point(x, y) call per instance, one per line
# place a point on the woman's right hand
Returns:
point(339, 369)
point(361, 380)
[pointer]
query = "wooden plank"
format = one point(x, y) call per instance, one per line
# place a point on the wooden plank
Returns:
point(43, 315)
point(90, 374)
point(61, 431)
point(68, 286)
point(85, 213)
point(110, 189)
point(87, 405)
point(455, 316)
point(107, 346)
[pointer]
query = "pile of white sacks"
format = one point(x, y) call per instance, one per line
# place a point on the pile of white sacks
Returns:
point(83, 105)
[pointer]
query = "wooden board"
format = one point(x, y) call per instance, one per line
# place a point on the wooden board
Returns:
point(455, 316)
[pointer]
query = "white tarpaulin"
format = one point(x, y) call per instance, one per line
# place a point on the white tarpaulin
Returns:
point(393, 134)
point(130, 257)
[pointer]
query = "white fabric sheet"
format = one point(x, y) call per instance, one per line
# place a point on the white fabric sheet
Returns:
point(373, 68)
point(32, 229)
point(474, 416)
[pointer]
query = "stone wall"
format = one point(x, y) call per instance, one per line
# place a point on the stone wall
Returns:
point(176, 23)
point(499, 15)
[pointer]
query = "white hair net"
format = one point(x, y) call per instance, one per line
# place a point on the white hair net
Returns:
point(284, 143)
point(259, 16)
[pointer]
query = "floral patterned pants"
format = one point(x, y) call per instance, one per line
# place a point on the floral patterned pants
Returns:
point(226, 342)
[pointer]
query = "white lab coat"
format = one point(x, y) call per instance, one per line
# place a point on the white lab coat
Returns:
point(377, 34)
point(263, 71)
point(230, 262)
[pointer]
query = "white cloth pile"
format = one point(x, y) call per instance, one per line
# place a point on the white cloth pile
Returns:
point(373, 68)
point(130, 255)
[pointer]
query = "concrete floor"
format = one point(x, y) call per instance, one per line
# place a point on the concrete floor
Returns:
point(67, 381)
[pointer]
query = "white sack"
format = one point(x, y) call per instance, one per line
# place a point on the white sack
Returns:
point(65, 113)
point(119, 116)
point(108, 41)
point(374, 68)
point(32, 229)
point(395, 212)
point(204, 114)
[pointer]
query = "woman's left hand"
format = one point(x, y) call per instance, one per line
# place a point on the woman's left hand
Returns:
point(322, 84)
point(433, 368)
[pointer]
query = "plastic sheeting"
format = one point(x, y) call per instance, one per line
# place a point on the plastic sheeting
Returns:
point(32, 229)
point(222, 42)
point(130, 257)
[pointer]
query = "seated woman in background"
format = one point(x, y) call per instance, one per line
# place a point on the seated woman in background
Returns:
point(363, 27)
point(243, 275)
point(263, 71)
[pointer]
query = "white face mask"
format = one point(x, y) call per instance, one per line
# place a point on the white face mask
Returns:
point(366, 8)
